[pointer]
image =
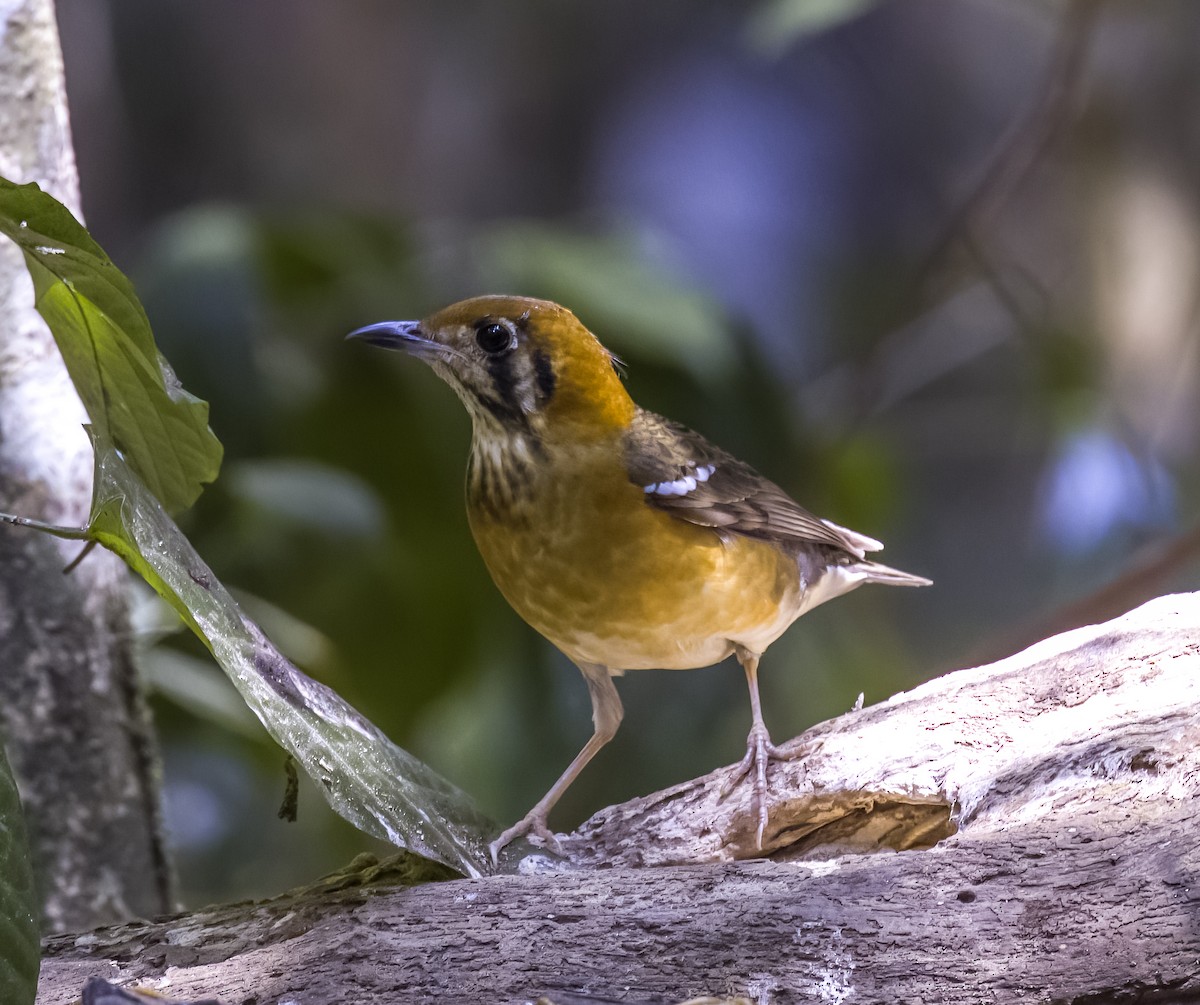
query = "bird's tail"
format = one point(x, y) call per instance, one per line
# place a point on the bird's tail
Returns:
point(866, 571)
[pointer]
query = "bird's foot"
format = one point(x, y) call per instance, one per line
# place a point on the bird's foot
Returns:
point(760, 751)
point(533, 826)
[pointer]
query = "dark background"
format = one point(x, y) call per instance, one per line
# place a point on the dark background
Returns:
point(931, 265)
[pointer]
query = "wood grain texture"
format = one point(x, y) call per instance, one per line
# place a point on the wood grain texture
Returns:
point(1062, 783)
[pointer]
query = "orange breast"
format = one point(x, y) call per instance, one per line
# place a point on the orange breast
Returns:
point(610, 580)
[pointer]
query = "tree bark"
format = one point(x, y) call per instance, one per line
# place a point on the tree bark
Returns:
point(1046, 804)
point(76, 729)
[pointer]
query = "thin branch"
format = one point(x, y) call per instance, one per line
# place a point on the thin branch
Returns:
point(54, 529)
point(1022, 145)
point(1015, 155)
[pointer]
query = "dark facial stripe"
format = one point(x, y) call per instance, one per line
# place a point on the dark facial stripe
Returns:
point(504, 413)
point(506, 406)
point(544, 371)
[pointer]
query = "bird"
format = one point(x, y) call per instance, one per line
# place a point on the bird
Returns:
point(627, 540)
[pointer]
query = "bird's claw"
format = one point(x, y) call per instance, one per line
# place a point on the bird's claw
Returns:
point(760, 751)
point(531, 826)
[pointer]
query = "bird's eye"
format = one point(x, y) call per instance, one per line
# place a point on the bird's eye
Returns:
point(494, 337)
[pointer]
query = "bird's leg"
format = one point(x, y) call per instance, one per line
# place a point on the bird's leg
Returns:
point(759, 748)
point(606, 717)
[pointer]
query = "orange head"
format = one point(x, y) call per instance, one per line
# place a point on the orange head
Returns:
point(521, 366)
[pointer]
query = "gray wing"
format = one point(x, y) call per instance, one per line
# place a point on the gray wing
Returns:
point(683, 474)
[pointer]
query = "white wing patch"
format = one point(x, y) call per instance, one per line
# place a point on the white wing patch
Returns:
point(681, 486)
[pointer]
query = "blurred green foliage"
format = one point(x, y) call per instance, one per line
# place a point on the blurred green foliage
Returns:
point(341, 503)
point(667, 321)
point(763, 240)
point(779, 23)
point(19, 945)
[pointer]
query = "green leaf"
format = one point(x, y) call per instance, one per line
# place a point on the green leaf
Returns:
point(781, 23)
point(131, 395)
point(19, 948)
point(377, 786)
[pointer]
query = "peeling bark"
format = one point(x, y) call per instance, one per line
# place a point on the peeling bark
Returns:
point(76, 730)
point(1047, 802)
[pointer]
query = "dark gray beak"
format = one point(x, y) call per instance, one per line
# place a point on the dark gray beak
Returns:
point(403, 335)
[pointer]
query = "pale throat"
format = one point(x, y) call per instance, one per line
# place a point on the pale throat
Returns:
point(502, 468)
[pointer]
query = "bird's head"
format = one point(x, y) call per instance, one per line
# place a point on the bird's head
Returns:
point(521, 366)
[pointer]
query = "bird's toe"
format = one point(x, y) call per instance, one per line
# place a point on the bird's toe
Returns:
point(760, 751)
point(533, 828)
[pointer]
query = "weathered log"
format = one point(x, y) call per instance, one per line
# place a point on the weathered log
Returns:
point(1047, 803)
